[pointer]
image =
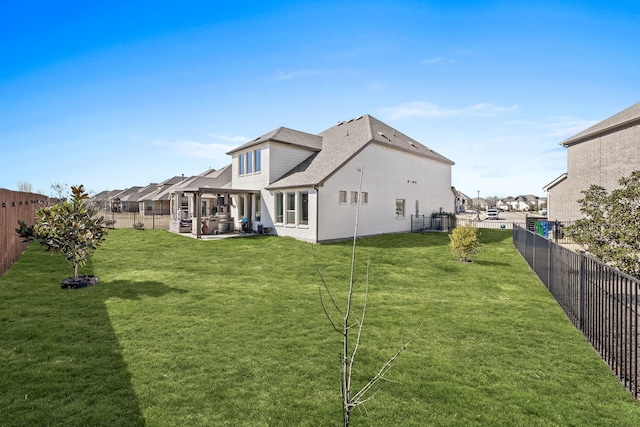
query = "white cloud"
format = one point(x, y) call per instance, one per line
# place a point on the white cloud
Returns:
point(565, 127)
point(281, 75)
point(431, 110)
point(560, 127)
point(228, 138)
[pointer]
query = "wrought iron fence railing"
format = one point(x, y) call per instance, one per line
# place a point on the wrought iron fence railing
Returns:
point(128, 219)
point(599, 300)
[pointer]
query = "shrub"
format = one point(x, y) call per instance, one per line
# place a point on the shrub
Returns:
point(464, 242)
point(610, 228)
point(71, 228)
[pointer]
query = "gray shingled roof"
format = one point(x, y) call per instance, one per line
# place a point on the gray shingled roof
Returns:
point(285, 136)
point(625, 118)
point(342, 142)
point(141, 193)
point(220, 178)
point(162, 193)
point(128, 192)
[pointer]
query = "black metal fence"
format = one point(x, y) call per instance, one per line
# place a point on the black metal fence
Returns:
point(133, 219)
point(488, 230)
point(421, 223)
point(599, 300)
point(552, 230)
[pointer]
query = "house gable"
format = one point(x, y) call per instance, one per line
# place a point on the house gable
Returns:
point(600, 155)
point(342, 142)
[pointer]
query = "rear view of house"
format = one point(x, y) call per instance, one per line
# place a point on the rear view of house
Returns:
point(293, 183)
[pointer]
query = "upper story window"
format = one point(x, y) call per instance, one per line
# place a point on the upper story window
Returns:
point(258, 160)
point(250, 162)
point(241, 161)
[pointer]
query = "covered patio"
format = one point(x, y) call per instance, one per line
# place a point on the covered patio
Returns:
point(206, 211)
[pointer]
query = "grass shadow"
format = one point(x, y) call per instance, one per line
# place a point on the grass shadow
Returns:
point(62, 360)
point(129, 290)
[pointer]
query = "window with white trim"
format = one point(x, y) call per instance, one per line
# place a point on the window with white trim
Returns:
point(342, 197)
point(258, 206)
point(364, 197)
point(354, 197)
point(291, 208)
point(241, 160)
point(258, 160)
point(303, 208)
point(279, 208)
point(400, 208)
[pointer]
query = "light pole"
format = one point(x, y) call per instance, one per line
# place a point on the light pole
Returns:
point(478, 208)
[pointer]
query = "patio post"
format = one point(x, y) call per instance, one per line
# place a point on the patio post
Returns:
point(198, 214)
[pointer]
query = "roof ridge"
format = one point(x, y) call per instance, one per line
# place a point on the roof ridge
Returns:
point(628, 117)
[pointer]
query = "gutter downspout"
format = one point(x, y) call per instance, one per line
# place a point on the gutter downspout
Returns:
point(315, 187)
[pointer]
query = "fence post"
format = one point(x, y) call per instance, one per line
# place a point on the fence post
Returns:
point(581, 281)
point(549, 264)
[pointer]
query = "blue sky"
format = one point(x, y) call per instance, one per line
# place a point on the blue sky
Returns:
point(116, 94)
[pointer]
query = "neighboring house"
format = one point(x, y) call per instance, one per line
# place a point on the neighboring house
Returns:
point(461, 201)
point(473, 203)
point(157, 202)
point(505, 203)
point(306, 186)
point(122, 200)
point(131, 201)
point(104, 200)
point(600, 155)
point(525, 203)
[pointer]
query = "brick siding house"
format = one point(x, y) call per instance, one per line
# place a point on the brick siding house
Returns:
point(599, 155)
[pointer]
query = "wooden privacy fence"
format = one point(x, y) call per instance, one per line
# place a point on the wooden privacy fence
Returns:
point(16, 206)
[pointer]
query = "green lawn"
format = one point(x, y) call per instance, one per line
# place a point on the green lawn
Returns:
point(182, 332)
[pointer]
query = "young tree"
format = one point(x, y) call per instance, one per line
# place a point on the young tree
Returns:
point(610, 229)
point(25, 187)
point(350, 345)
point(492, 200)
point(60, 191)
point(71, 228)
point(464, 243)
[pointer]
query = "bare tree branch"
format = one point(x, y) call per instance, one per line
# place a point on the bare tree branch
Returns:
point(361, 322)
point(384, 369)
point(324, 283)
point(327, 314)
point(347, 358)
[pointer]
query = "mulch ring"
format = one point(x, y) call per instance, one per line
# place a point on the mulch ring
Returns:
point(80, 282)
